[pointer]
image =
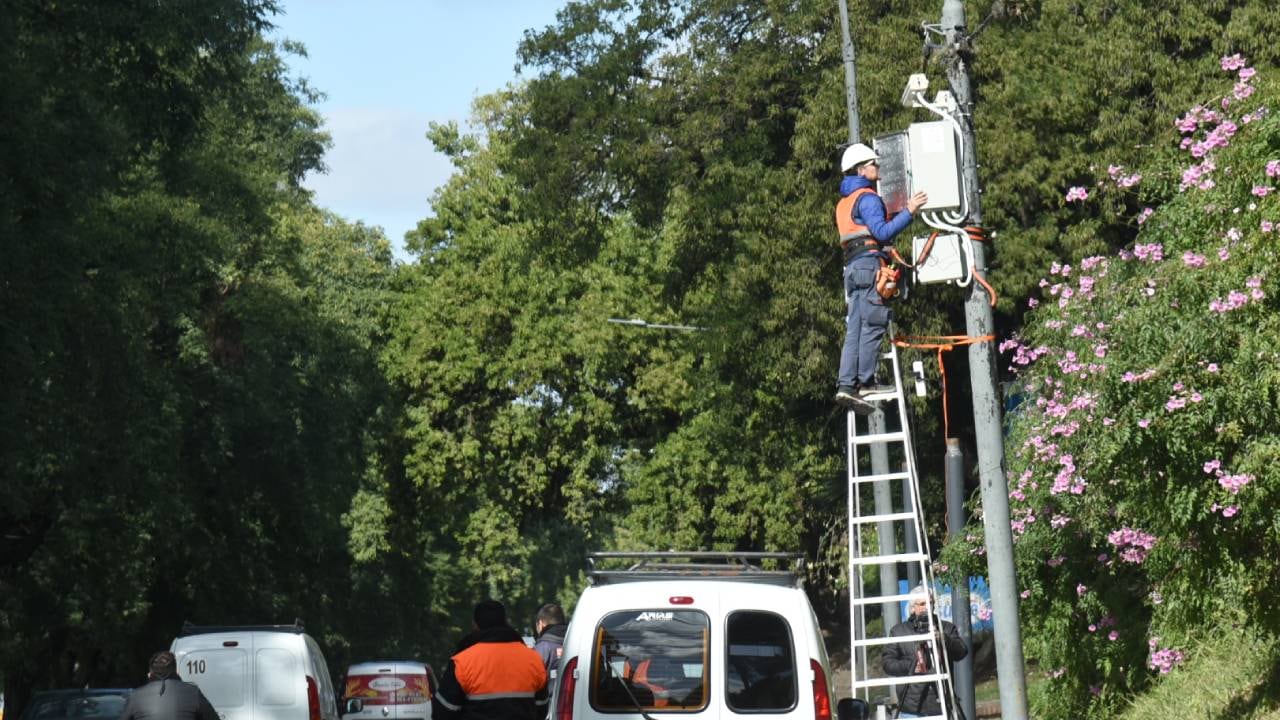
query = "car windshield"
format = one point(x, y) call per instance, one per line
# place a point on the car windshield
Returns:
point(76, 706)
point(656, 659)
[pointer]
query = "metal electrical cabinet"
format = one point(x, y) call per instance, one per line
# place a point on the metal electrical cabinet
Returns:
point(923, 158)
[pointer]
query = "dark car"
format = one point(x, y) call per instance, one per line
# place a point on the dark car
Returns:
point(86, 704)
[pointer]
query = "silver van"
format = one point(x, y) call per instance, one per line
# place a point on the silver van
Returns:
point(257, 672)
point(388, 690)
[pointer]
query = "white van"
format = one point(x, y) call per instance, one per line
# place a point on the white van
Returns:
point(391, 689)
point(259, 672)
point(704, 633)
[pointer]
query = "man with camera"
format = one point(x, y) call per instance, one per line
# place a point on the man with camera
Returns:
point(916, 657)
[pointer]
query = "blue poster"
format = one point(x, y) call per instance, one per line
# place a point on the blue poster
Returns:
point(979, 602)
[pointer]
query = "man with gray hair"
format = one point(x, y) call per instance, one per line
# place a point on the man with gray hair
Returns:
point(166, 696)
point(916, 657)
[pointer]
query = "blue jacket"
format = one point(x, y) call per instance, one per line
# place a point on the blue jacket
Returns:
point(870, 211)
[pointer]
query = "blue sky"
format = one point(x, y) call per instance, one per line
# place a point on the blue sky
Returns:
point(390, 67)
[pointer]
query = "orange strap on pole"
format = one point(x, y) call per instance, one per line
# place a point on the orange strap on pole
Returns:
point(977, 233)
point(941, 343)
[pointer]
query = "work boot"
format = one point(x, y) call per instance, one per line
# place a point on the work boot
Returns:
point(875, 388)
point(846, 395)
point(847, 398)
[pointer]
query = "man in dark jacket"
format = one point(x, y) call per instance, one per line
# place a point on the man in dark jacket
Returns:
point(493, 675)
point(166, 696)
point(549, 628)
point(916, 657)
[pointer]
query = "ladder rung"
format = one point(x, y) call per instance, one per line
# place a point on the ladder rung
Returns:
point(898, 680)
point(897, 436)
point(886, 559)
point(882, 477)
point(870, 642)
point(871, 397)
point(889, 516)
point(874, 599)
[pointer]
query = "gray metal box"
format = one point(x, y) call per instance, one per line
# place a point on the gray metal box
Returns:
point(895, 171)
point(921, 158)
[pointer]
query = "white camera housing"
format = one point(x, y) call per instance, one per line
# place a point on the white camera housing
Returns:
point(917, 84)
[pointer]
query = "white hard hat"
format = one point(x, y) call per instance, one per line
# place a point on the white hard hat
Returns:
point(855, 155)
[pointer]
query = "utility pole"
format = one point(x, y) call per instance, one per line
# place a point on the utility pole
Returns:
point(882, 492)
point(986, 401)
point(850, 75)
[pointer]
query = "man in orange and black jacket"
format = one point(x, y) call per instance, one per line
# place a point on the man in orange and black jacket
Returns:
point(493, 675)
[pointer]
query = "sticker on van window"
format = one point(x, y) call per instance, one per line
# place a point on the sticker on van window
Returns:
point(389, 689)
point(651, 615)
point(386, 684)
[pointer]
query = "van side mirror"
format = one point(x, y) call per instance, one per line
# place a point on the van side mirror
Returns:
point(354, 705)
point(852, 709)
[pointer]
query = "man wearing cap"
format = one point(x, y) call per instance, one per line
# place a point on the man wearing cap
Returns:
point(166, 696)
point(492, 675)
point(916, 657)
point(864, 232)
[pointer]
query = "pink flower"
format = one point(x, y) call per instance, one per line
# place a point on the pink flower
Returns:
point(1273, 168)
point(1232, 62)
point(1234, 483)
point(1144, 215)
point(1144, 423)
point(1193, 260)
point(1113, 636)
point(1093, 628)
point(1133, 545)
point(1077, 193)
point(1213, 367)
point(1081, 589)
point(1267, 226)
point(1212, 465)
point(1230, 511)
point(1261, 190)
point(1024, 594)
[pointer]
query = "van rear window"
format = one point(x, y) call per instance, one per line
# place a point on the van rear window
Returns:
point(761, 670)
point(650, 659)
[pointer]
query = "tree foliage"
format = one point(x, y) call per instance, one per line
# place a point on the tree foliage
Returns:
point(191, 381)
point(1143, 455)
point(224, 404)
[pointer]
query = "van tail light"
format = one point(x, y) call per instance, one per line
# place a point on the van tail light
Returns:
point(568, 683)
point(821, 695)
point(313, 699)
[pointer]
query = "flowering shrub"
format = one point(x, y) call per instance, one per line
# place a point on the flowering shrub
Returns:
point(1144, 459)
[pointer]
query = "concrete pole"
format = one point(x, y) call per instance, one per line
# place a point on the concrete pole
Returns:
point(962, 670)
point(909, 532)
point(883, 495)
point(850, 75)
point(986, 402)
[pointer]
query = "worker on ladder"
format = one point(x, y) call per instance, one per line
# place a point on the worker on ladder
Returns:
point(869, 280)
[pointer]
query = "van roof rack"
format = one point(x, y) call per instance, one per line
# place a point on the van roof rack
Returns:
point(189, 628)
point(697, 565)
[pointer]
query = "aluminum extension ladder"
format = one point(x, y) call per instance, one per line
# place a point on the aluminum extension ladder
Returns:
point(906, 514)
